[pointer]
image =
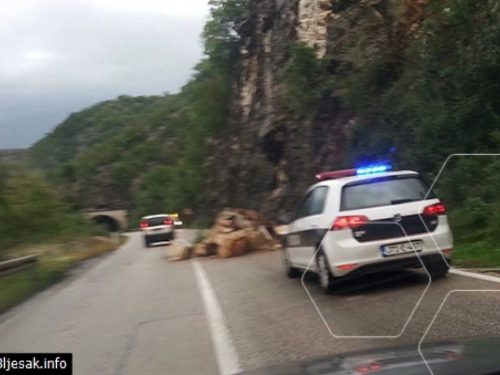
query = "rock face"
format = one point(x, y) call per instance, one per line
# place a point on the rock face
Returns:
point(275, 153)
point(260, 147)
point(313, 19)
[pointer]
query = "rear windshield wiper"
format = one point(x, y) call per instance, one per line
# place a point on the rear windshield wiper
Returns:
point(405, 200)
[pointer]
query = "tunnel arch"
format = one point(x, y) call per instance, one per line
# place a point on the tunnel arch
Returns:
point(111, 224)
point(120, 218)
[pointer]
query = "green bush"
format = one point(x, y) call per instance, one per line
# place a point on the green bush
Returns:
point(32, 211)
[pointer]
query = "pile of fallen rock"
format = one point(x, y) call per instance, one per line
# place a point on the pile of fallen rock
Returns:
point(235, 232)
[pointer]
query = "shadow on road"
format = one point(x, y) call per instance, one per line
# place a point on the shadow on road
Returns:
point(375, 283)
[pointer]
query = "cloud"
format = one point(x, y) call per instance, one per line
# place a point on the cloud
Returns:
point(59, 57)
point(170, 7)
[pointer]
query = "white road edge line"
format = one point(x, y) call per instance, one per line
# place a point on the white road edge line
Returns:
point(474, 275)
point(225, 351)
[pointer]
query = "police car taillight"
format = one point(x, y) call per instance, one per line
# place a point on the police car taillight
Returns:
point(435, 209)
point(348, 222)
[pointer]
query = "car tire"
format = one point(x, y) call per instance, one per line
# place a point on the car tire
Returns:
point(290, 271)
point(146, 243)
point(324, 274)
point(437, 269)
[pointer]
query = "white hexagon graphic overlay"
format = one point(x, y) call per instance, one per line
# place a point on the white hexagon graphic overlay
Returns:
point(460, 270)
point(313, 259)
point(437, 313)
point(464, 272)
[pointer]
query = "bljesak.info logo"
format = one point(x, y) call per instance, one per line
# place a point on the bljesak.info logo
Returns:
point(36, 363)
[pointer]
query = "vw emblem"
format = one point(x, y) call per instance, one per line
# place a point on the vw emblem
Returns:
point(397, 218)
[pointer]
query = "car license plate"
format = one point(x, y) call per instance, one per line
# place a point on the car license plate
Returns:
point(402, 248)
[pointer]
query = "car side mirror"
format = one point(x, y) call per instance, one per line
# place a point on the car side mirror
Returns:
point(286, 219)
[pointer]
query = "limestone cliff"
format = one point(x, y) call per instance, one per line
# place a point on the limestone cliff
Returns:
point(275, 153)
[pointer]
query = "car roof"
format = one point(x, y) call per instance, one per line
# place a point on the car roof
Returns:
point(154, 216)
point(345, 180)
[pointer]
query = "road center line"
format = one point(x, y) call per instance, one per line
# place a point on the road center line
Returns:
point(225, 351)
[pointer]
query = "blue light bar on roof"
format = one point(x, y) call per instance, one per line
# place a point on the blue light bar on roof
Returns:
point(373, 169)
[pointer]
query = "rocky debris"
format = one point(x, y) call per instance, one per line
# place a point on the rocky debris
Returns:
point(233, 244)
point(179, 249)
point(234, 233)
point(237, 232)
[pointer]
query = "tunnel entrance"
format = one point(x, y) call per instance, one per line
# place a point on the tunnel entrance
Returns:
point(107, 222)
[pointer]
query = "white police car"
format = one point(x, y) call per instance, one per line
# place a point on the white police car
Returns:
point(359, 221)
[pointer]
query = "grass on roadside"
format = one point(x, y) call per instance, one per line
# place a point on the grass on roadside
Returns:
point(476, 243)
point(476, 255)
point(52, 267)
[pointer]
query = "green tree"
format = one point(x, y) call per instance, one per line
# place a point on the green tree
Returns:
point(221, 33)
point(31, 211)
point(159, 192)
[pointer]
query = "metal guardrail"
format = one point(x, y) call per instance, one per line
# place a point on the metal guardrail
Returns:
point(15, 265)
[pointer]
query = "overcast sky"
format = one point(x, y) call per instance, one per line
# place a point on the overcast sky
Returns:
point(59, 57)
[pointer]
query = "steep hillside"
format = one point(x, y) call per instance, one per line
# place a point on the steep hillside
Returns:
point(100, 154)
point(16, 157)
point(94, 125)
point(26, 197)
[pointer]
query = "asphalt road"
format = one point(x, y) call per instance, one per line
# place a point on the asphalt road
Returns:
point(134, 312)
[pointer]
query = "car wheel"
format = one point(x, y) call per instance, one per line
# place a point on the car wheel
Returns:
point(437, 269)
point(146, 242)
point(324, 274)
point(290, 271)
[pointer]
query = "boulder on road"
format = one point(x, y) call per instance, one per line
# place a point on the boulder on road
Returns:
point(257, 239)
point(237, 232)
point(179, 249)
point(233, 244)
point(234, 233)
point(200, 250)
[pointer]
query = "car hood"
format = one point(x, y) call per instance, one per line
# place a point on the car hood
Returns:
point(477, 356)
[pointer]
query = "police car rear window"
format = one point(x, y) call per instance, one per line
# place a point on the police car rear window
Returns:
point(385, 191)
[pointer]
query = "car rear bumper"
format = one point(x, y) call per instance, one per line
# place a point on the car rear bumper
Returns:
point(343, 249)
point(160, 237)
point(396, 264)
